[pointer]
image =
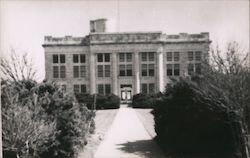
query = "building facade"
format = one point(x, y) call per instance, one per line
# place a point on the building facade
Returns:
point(122, 63)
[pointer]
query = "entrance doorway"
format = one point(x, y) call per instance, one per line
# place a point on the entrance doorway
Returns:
point(126, 93)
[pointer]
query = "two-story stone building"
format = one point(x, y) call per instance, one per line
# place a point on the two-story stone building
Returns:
point(122, 63)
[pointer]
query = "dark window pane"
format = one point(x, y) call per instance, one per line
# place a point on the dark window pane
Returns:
point(62, 58)
point(169, 70)
point(75, 58)
point(76, 71)
point(190, 69)
point(198, 56)
point(64, 87)
point(144, 88)
point(144, 70)
point(129, 57)
point(151, 70)
point(83, 88)
point(62, 71)
point(55, 58)
point(76, 88)
point(144, 56)
point(129, 70)
point(151, 56)
point(122, 70)
point(99, 70)
point(83, 71)
point(169, 56)
point(176, 69)
point(151, 88)
point(82, 58)
point(198, 68)
point(55, 71)
point(100, 89)
point(99, 58)
point(122, 57)
point(107, 89)
point(107, 70)
point(190, 56)
point(176, 56)
point(107, 57)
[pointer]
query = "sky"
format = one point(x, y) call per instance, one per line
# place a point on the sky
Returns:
point(23, 24)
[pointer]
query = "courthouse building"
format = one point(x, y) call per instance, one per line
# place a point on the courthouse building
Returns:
point(122, 63)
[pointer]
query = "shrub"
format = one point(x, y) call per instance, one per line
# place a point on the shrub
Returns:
point(110, 101)
point(142, 100)
point(190, 121)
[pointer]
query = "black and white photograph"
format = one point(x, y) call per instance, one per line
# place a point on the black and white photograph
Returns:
point(125, 79)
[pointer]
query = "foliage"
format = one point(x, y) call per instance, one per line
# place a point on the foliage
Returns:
point(47, 122)
point(192, 121)
point(110, 101)
point(142, 100)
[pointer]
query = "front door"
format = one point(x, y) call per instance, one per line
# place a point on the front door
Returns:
point(126, 94)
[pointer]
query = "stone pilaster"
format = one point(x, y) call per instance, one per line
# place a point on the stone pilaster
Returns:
point(137, 72)
point(160, 73)
point(92, 70)
point(114, 76)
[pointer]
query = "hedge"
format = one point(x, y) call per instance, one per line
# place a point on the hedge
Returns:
point(189, 121)
point(142, 100)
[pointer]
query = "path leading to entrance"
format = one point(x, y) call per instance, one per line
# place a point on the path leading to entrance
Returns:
point(127, 138)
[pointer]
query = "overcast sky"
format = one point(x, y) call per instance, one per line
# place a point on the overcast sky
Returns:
point(25, 23)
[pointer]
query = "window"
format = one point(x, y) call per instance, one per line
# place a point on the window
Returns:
point(125, 70)
point(75, 58)
point(144, 56)
point(58, 58)
point(100, 70)
point(176, 69)
point(148, 88)
point(151, 88)
point(99, 58)
point(80, 88)
point(190, 69)
point(79, 58)
point(144, 88)
point(122, 70)
point(62, 58)
point(151, 56)
point(64, 87)
point(100, 89)
point(107, 57)
point(198, 68)
point(169, 69)
point(55, 71)
point(151, 70)
point(82, 58)
point(104, 89)
point(62, 71)
point(198, 56)
point(107, 71)
point(122, 57)
point(55, 58)
point(129, 57)
point(176, 56)
point(147, 56)
point(144, 71)
point(82, 71)
point(169, 56)
point(190, 56)
point(76, 71)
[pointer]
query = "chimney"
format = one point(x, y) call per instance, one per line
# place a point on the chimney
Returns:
point(98, 25)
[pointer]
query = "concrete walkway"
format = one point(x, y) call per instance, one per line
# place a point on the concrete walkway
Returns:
point(127, 138)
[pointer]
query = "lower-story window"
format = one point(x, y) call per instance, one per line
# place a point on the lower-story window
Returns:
point(148, 88)
point(80, 88)
point(104, 89)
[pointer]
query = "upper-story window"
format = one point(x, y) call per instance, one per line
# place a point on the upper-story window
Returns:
point(59, 68)
point(173, 69)
point(147, 56)
point(173, 56)
point(198, 56)
point(103, 57)
point(58, 58)
point(125, 70)
point(169, 56)
point(190, 56)
point(125, 57)
point(79, 65)
point(176, 56)
point(147, 70)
